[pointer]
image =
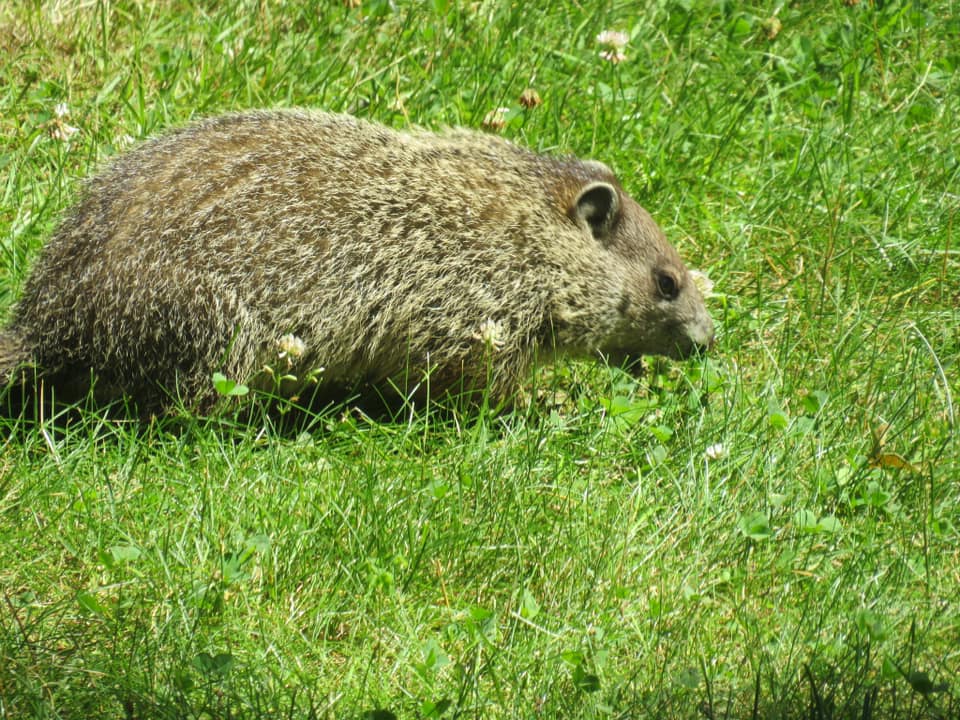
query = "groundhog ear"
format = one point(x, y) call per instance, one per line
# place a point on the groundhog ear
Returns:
point(598, 205)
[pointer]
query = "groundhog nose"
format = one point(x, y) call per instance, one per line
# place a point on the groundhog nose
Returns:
point(701, 340)
point(703, 347)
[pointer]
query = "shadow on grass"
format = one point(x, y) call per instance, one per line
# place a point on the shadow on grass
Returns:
point(74, 673)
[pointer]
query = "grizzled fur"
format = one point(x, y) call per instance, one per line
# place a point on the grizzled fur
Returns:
point(389, 254)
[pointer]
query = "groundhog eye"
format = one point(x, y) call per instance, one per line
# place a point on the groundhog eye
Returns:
point(667, 285)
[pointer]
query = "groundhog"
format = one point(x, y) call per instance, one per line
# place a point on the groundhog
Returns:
point(288, 247)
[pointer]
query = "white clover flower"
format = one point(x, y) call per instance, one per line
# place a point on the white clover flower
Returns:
point(715, 452)
point(615, 39)
point(490, 333)
point(613, 42)
point(496, 119)
point(530, 98)
point(290, 346)
point(62, 132)
point(613, 56)
point(703, 282)
point(58, 127)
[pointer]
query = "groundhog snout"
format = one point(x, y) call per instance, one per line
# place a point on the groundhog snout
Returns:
point(703, 338)
point(697, 337)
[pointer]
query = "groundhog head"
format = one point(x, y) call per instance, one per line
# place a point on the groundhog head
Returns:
point(653, 305)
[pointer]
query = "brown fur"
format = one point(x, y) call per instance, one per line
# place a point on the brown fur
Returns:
point(389, 254)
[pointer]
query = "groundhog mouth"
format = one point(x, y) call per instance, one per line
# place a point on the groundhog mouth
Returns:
point(631, 360)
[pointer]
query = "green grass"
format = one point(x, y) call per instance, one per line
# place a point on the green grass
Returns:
point(772, 533)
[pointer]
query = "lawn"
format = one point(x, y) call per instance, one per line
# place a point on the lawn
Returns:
point(771, 532)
